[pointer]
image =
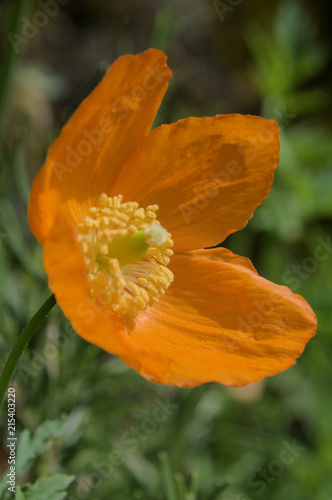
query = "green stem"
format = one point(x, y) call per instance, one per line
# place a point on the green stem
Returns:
point(21, 344)
point(167, 476)
point(19, 9)
point(180, 485)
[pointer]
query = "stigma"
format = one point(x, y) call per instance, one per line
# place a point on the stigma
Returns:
point(126, 252)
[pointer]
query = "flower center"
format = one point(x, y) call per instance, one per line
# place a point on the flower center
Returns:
point(126, 252)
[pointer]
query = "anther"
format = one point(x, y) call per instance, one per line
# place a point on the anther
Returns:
point(126, 252)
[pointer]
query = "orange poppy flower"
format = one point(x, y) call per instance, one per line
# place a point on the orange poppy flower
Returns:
point(124, 215)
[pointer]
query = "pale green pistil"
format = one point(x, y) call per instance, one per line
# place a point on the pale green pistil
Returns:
point(130, 249)
point(126, 252)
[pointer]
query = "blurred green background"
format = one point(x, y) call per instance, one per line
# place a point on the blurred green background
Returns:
point(270, 440)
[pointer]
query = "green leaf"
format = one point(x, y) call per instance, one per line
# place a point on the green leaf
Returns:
point(19, 166)
point(19, 495)
point(219, 488)
point(11, 226)
point(52, 488)
point(30, 447)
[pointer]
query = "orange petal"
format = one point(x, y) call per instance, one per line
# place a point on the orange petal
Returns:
point(100, 326)
point(98, 139)
point(220, 321)
point(208, 175)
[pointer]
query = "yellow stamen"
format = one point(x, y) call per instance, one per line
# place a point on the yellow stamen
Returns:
point(126, 252)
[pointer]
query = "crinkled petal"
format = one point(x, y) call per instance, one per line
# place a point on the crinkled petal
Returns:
point(220, 321)
point(98, 139)
point(98, 325)
point(208, 175)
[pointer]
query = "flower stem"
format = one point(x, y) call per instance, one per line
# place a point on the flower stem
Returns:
point(21, 344)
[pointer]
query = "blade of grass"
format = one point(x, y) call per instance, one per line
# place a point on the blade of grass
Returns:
point(180, 485)
point(19, 166)
point(193, 488)
point(167, 476)
point(219, 489)
point(20, 8)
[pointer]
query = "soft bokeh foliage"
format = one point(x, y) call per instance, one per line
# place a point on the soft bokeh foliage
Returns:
point(237, 59)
